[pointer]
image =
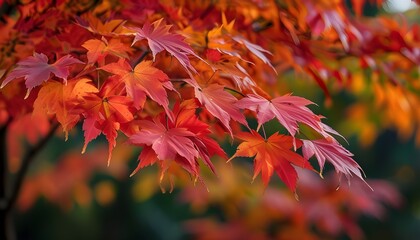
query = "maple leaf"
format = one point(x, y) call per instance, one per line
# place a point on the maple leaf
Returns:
point(220, 104)
point(257, 50)
point(272, 154)
point(173, 144)
point(59, 99)
point(167, 143)
point(186, 117)
point(229, 66)
point(99, 49)
point(95, 25)
point(104, 112)
point(159, 38)
point(183, 141)
point(289, 111)
point(36, 70)
point(334, 153)
point(144, 80)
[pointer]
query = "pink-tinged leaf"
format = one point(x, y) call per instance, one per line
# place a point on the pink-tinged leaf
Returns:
point(257, 50)
point(334, 153)
point(206, 146)
point(160, 38)
point(167, 143)
point(334, 20)
point(144, 80)
point(36, 70)
point(329, 130)
point(289, 111)
point(220, 104)
point(183, 140)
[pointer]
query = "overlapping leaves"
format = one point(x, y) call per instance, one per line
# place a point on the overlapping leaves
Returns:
point(127, 88)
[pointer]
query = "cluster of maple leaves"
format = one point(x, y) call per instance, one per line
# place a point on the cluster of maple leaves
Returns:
point(176, 77)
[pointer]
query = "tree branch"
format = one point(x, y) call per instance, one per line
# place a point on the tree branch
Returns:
point(3, 163)
point(26, 161)
point(5, 229)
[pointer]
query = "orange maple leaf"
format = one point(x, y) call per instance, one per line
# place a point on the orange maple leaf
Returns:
point(95, 25)
point(99, 49)
point(57, 98)
point(272, 154)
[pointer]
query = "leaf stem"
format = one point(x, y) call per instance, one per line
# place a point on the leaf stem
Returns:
point(235, 91)
point(214, 73)
point(141, 58)
point(263, 130)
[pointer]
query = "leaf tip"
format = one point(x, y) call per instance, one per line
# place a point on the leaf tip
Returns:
point(296, 196)
point(84, 148)
point(230, 159)
point(321, 174)
point(27, 94)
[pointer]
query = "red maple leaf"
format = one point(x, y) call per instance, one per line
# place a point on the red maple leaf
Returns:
point(36, 70)
point(144, 80)
point(183, 141)
point(186, 117)
point(272, 154)
point(105, 111)
point(289, 111)
point(160, 38)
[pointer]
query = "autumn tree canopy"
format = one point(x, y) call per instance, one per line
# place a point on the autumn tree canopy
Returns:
point(176, 79)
